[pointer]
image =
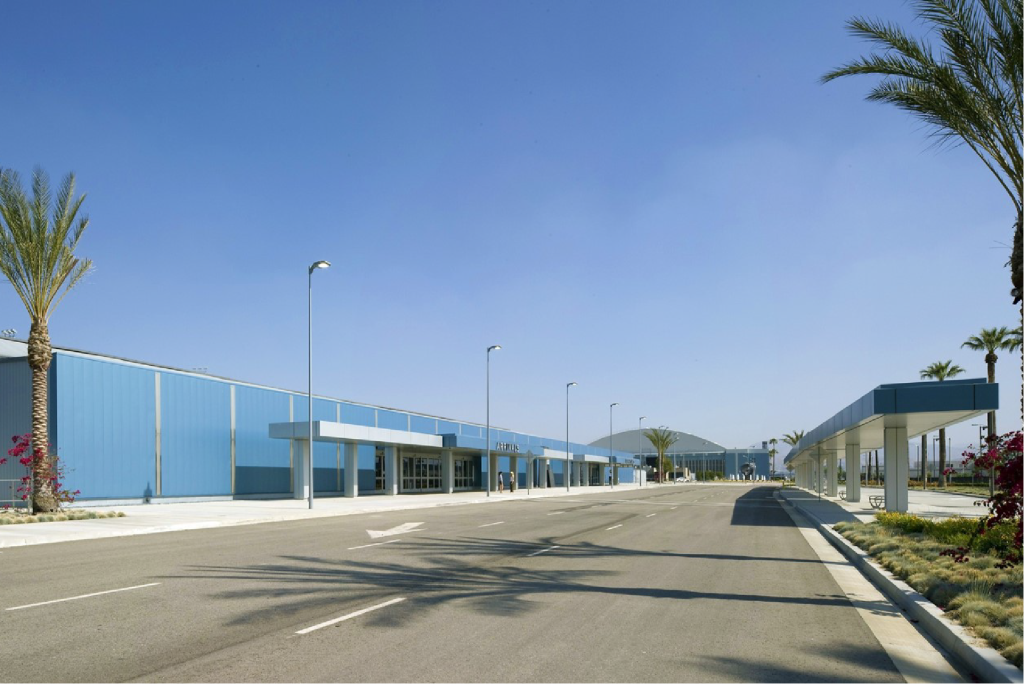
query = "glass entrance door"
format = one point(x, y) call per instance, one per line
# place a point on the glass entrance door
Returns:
point(378, 470)
point(421, 474)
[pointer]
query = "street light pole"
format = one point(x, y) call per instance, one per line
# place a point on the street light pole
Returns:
point(611, 444)
point(309, 470)
point(640, 438)
point(571, 384)
point(493, 347)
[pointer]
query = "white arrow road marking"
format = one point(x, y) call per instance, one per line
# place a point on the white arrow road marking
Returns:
point(401, 529)
point(350, 615)
point(537, 553)
point(75, 598)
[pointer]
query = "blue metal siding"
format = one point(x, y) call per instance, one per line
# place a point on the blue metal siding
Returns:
point(261, 463)
point(354, 414)
point(195, 436)
point(424, 425)
point(105, 415)
point(15, 420)
point(446, 427)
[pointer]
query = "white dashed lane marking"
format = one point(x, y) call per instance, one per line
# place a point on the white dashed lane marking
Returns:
point(349, 616)
point(75, 598)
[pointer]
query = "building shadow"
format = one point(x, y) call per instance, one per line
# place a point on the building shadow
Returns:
point(759, 508)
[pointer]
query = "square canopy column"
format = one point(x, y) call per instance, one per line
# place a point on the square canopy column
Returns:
point(897, 467)
point(391, 470)
point(833, 473)
point(447, 471)
point(853, 472)
point(351, 470)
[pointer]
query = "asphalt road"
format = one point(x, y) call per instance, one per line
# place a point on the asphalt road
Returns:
point(665, 584)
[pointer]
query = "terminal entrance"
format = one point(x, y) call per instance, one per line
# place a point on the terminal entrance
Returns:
point(378, 470)
point(465, 473)
point(421, 474)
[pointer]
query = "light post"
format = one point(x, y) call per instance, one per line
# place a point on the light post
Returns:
point(571, 384)
point(309, 471)
point(493, 347)
point(611, 444)
point(640, 438)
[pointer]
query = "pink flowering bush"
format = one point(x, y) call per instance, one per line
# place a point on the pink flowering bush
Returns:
point(52, 465)
point(1002, 455)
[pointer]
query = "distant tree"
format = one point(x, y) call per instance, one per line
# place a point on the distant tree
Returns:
point(772, 452)
point(941, 370)
point(37, 256)
point(991, 340)
point(969, 92)
point(662, 440)
point(792, 438)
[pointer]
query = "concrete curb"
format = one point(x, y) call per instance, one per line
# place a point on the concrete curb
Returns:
point(983, 661)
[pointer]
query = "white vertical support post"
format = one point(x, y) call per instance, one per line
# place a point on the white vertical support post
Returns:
point(531, 463)
point(299, 468)
point(351, 470)
point(492, 472)
point(542, 473)
point(833, 473)
point(447, 471)
point(391, 470)
point(513, 466)
point(897, 467)
point(853, 472)
point(820, 480)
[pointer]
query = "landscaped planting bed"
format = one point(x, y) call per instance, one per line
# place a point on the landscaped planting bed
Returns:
point(976, 593)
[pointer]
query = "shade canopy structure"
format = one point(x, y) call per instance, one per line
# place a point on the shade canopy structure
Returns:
point(886, 418)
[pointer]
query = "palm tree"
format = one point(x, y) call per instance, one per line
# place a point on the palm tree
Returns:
point(990, 340)
point(941, 370)
point(792, 438)
point(37, 256)
point(970, 93)
point(772, 452)
point(661, 439)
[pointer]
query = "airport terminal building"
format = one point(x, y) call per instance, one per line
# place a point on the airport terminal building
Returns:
point(694, 455)
point(129, 431)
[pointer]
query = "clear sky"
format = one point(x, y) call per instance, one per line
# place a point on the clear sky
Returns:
point(657, 200)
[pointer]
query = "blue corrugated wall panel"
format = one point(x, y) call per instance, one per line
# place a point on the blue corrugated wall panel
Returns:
point(392, 420)
point(15, 419)
point(195, 436)
point(261, 463)
point(105, 415)
point(422, 424)
point(446, 427)
point(354, 414)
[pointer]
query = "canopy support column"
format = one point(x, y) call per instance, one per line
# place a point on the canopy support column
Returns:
point(897, 467)
point(853, 472)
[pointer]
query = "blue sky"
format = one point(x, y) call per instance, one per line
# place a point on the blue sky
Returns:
point(656, 200)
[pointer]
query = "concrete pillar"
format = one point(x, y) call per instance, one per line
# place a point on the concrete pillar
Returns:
point(300, 469)
point(897, 467)
point(447, 471)
point(492, 471)
point(513, 467)
point(542, 473)
point(832, 459)
point(819, 479)
point(853, 472)
point(530, 465)
point(351, 470)
point(391, 474)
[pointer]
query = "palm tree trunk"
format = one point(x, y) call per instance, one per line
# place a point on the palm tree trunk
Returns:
point(39, 357)
point(942, 453)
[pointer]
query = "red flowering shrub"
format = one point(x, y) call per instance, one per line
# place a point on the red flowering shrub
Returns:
point(52, 465)
point(1003, 455)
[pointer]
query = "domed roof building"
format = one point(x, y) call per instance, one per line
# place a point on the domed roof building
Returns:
point(693, 456)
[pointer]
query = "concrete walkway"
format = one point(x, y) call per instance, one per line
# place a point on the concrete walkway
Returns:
point(925, 504)
point(170, 517)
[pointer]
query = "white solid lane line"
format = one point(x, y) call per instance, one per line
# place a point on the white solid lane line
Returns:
point(502, 522)
point(537, 553)
point(353, 548)
point(557, 513)
point(612, 527)
point(349, 616)
point(75, 598)
point(651, 515)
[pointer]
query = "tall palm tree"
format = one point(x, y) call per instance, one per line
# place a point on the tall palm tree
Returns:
point(662, 440)
point(941, 370)
point(792, 438)
point(772, 452)
point(970, 92)
point(990, 340)
point(37, 256)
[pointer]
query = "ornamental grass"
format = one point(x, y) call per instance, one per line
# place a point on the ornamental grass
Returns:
point(15, 517)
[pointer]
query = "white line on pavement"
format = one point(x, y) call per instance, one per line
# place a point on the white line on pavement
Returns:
point(537, 553)
point(651, 515)
point(612, 527)
point(75, 598)
point(353, 548)
point(502, 522)
point(673, 508)
point(349, 616)
point(557, 513)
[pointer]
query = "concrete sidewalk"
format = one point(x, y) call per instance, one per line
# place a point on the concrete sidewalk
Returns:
point(170, 517)
point(925, 504)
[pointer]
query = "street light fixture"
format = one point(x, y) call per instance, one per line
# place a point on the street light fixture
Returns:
point(571, 384)
point(611, 446)
point(640, 438)
point(493, 347)
point(309, 472)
